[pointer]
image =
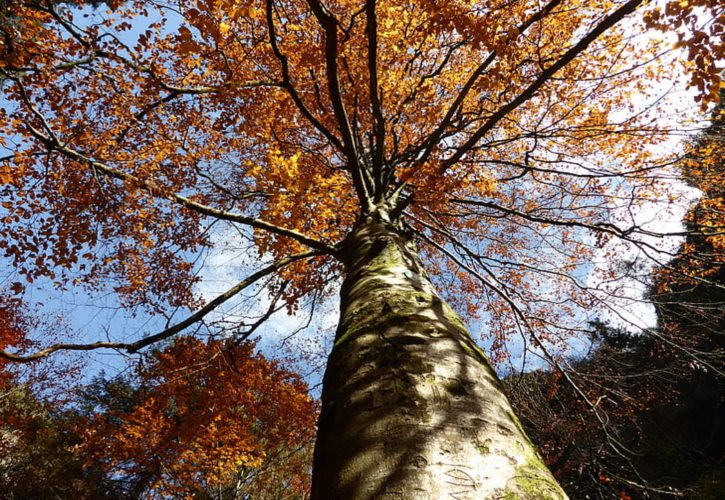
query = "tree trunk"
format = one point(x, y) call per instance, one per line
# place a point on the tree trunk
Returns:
point(411, 407)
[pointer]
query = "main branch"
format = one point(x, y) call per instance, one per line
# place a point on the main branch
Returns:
point(171, 331)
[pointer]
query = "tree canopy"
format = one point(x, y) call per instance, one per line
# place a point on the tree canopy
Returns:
point(502, 132)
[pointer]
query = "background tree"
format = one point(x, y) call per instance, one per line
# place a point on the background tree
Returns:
point(663, 436)
point(228, 424)
point(36, 436)
point(40, 459)
point(214, 419)
point(336, 136)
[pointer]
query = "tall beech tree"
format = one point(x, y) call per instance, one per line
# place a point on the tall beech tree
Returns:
point(488, 148)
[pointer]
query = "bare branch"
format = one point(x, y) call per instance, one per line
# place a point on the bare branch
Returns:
point(169, 332)
point(379, 123)
point(329, 25)
point(287, 81)
point(427, 146)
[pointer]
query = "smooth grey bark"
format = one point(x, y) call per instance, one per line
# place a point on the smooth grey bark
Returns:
point(411, 407)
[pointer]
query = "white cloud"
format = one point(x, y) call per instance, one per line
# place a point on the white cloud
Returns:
point(622, 269)
point(284, 334)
